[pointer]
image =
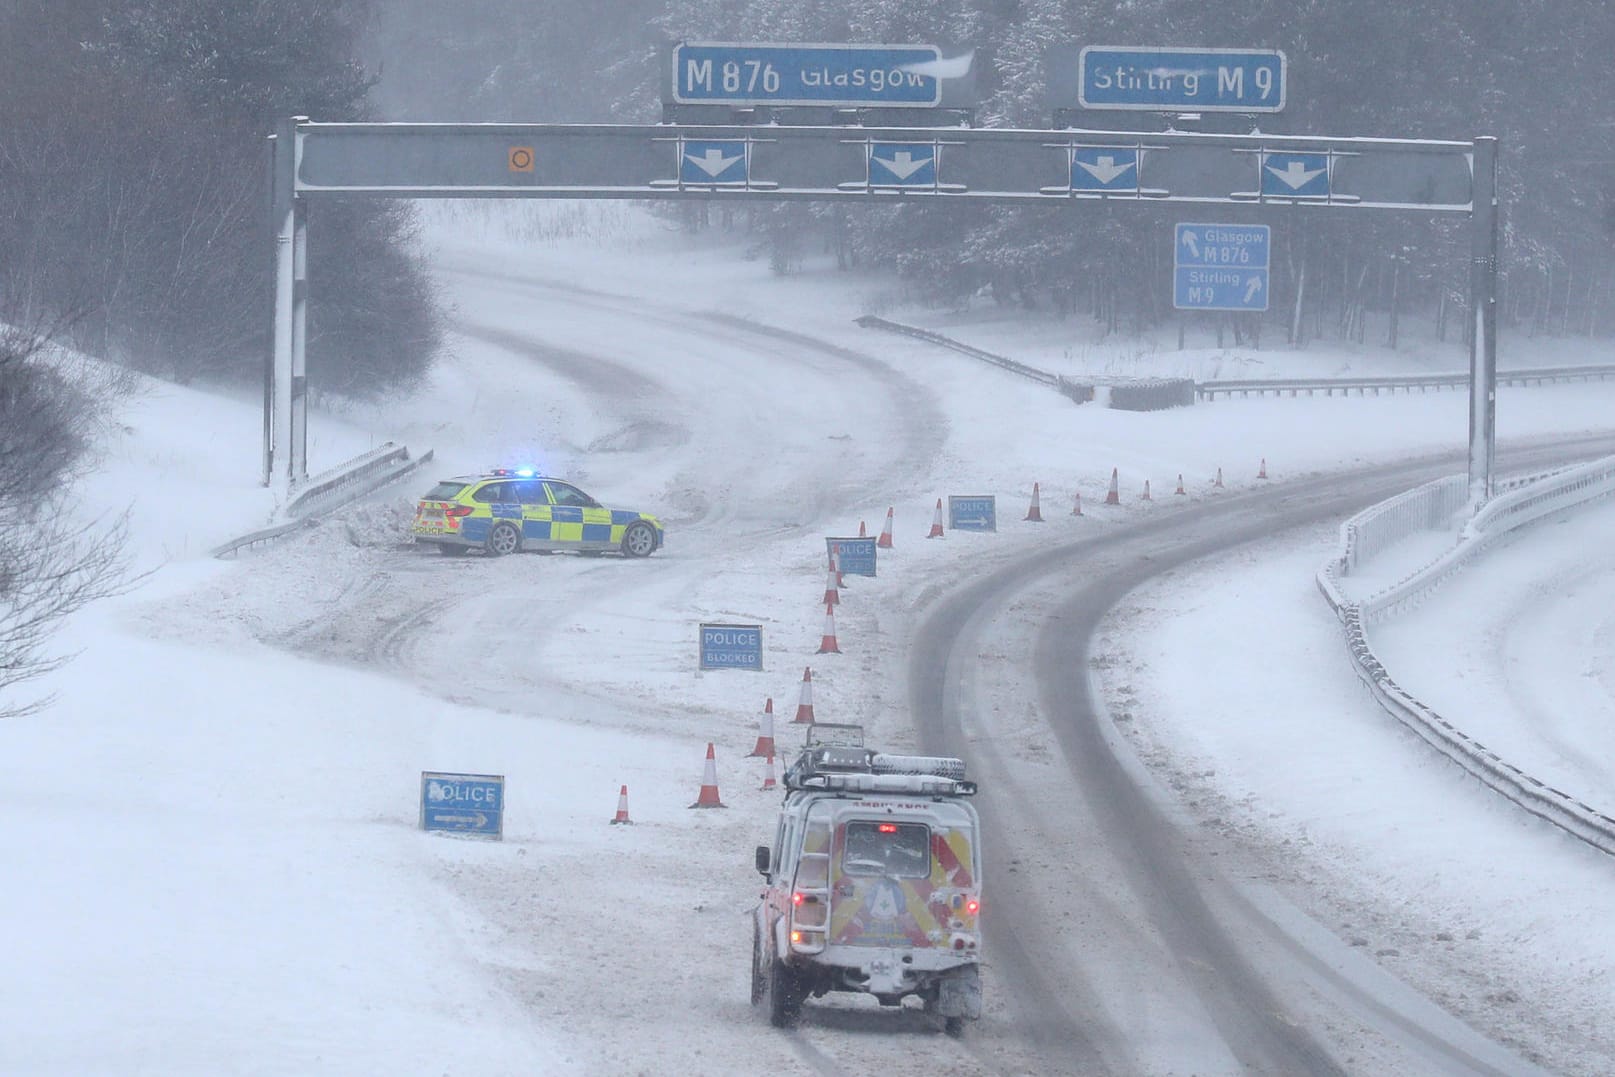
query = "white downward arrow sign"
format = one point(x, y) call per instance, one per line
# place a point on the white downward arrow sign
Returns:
point(1105, 169)
point(713, 162)
point(904, 164)
point(1296, 174)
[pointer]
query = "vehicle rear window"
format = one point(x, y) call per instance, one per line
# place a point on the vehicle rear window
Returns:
point(885, 848)
point(444, 491)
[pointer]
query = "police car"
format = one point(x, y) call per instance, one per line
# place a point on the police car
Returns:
point(507, 510)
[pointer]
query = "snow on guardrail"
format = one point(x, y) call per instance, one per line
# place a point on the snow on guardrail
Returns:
point(1524, 501)
point(333, 489)
point(1210, 390)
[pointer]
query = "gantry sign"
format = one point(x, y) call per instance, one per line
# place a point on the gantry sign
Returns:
point(847, 161)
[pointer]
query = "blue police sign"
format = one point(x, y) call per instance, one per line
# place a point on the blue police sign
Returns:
point(720, 160)
point(902, 164)
point(1295, 175)
point(470, 805)
point(1104, 168)
point(1186, 80)
point(973, 512)
point(840, 76)
point(854, 556)
point(731, 646)
point(1220, 266)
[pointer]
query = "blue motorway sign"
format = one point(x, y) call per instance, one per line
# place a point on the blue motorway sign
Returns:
point(902, 164)
point(854, 556)
point(712, 160)
point(731, 646)
point(973, 512)
point(839, 76)
point(1295, 175)
point(1220, 266)
point(1181, 80)
point(1104, 168)
point(471, 805)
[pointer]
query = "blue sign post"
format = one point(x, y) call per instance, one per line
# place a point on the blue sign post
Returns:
point(731, 646)
point(854, 556)
point(973, 512)
point(1295, 175)
point(470, 805)
point(838, 76)
point(1181, 80)
point(1220, 266)
point(712, 160)
point(902, 164)
point(1104, 168)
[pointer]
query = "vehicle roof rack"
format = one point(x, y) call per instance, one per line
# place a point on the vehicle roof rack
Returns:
point(828, 762)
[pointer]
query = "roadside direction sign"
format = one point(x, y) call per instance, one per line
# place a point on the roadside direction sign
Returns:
point(731, 646)
point(469, 805)
point(1181, 80)
point(1220, 266)
point(1104, 168)
point(973, 512)
point(1295, 175)
point(712, 160)
point(854, 556)
point(838, 76)
point(902, 164)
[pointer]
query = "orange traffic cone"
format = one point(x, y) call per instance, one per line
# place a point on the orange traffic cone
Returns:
point(885, 540)
point(861, 532)
point(765, 730)
point(1262, 473)
point(827, 644)
point(1146, 496)
point(1076, 508)
point(622, 808)
point(804, 706)
point(768, 775)
point(1113, 496)
point(1035, 514)
point(1218, 484)
point(1180, 489)
point(832, 593)
point(708, 797)
point(936, 521)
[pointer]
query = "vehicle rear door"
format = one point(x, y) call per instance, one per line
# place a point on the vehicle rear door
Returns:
point(536, 520)
point(883, 882)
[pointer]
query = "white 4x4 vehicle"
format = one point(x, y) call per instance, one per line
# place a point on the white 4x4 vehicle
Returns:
point(874, 883)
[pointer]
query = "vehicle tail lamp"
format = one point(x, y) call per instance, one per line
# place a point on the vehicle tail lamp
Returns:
point(458, 510)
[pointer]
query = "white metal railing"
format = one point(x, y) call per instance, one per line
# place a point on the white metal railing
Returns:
point(1523, 501)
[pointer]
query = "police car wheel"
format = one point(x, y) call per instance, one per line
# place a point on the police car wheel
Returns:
point(639, 540)
point(954, 1026)
point(503, 539)
point(449, 549)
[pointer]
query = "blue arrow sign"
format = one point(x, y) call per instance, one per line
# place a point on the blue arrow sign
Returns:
point(1220, 266)
point(731, 646)
point(1187, 80)
point(1295, 175)
point(704, 161)
point(902, 164)
point(471, 805)
point(1104, 168)
point(973, 512)
point(840, 76)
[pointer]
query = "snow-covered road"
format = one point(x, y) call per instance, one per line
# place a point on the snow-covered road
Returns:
point(242, 743)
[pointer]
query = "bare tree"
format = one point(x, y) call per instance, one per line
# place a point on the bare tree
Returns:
point(51, 564)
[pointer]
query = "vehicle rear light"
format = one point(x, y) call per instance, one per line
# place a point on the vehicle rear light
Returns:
point(796, 899)
point(458, 510)
point(972, 906)
point(887, 828)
